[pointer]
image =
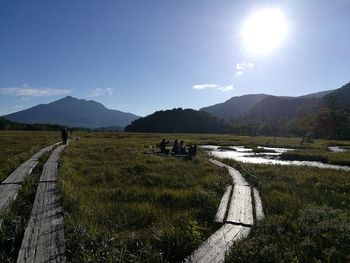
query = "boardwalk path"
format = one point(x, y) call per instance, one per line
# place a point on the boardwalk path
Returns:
point(239, 210)
point(10, 186)
point(43, 239)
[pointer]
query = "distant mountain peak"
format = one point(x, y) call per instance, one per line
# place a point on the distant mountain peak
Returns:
point(73, 112)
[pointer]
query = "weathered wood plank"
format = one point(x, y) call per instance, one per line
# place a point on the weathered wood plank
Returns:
point(241, 209)
point(49, 173)
point(235, 175)
point(216, 246)
point(220, 215)
point(238, 179)
point(43, 239)
point(259, 212)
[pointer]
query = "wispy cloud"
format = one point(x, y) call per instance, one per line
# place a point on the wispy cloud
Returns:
point(226, 88)
point(204, 86)
point(242, 67)
point(212, 86)
point(33, 92)
point(100, 92)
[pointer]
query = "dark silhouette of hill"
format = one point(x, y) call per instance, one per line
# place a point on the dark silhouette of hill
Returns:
point(73, 112)
point(178, 121)
point(342, 94)
point(267, 107)
point(273, 107)
point(235, 107)
point(320, 94)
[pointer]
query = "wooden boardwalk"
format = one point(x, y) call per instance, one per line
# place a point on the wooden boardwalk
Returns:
point(215, 247)
point(220, 215)
point(10, 186)
point(241, 209)
point(43, 239)
point(238, 222)
point(259, 212)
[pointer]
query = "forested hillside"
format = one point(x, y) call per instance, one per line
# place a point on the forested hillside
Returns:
point(178, 120)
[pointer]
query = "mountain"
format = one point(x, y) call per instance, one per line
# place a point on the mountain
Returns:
point(234, 107)
point(73, 112)
point(342, 94)
point(274, 107)
point(178, 121)
point(320, 94)
point(267, 107)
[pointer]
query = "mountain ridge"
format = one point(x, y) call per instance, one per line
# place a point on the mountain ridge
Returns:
point(73, 112)
point(267, 107)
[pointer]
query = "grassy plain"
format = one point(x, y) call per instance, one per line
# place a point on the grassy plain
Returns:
point(124, 206)
point(18, 146)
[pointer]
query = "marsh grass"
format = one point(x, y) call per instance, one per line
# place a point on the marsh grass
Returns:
point(19, 146)
point(307, 215)
point(317, 155)
point(14, 220)
point(123, 205)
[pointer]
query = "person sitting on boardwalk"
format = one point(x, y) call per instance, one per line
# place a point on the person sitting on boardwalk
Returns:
point(64, 135)
point(183, 148)
point(192, 151)
point(162, 146)
point(175, 148)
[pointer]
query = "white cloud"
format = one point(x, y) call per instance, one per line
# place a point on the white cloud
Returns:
point(226, 88)
point(212, 86)
point(242, 67)
point(204, 86)
point(33, 92)
point(100, 92)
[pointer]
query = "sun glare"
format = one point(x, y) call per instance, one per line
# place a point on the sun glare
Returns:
point(264, 31)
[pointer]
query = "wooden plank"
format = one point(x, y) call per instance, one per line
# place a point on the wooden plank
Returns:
point(241, 209)
point(49, 173)
point(216, 246)
point(43, 239)
point(235, 175)
point(237, 178)
point(259, 212)
point(220, 215)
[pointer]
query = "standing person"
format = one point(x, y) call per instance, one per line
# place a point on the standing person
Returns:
point(64, 135)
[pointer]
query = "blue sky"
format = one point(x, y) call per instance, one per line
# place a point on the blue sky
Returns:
point(143, 56)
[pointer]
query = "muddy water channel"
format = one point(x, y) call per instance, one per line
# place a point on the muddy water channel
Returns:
point(265, 155)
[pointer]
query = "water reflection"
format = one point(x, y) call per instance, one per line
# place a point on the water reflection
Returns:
point(246, 155)
point(337, 149)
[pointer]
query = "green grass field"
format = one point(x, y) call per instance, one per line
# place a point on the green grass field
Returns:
point(121, 205)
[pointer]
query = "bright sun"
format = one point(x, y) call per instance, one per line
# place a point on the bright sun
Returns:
point(264, 31)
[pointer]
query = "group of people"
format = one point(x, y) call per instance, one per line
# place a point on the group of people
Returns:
point(179, 148)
